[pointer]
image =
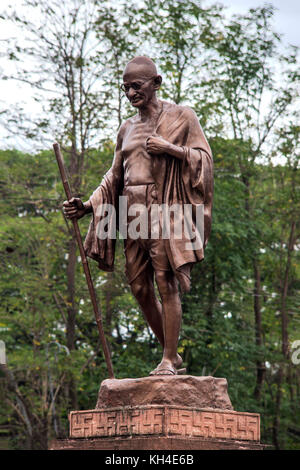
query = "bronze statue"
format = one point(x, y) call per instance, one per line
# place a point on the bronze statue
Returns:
point(161, 158)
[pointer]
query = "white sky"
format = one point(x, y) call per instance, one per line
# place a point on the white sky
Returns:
point(286, 18)
point(286, 22)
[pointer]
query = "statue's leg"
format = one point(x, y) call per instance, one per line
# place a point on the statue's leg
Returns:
point(143, 290)
point(139, 272)
point(172, 314)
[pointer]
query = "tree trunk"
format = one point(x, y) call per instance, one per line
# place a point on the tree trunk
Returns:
point(260, 366)
point(284, 314)
point(276, 421)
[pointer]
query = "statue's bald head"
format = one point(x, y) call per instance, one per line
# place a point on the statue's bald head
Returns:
point(141, 65)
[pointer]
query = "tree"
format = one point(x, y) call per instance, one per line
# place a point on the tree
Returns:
point(175, 34)
point(246, 52)
point(65, 63)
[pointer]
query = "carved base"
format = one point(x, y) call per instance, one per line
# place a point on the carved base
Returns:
point(163, 413)
point(169, 421)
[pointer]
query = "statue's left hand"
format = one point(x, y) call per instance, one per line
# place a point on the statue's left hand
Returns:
point(156, 145)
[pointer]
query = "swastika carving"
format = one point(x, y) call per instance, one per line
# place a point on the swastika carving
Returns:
point(213, 424)
point(165, 420)
point(101, 423)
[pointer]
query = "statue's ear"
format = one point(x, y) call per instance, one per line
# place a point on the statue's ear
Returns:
point(157, 82)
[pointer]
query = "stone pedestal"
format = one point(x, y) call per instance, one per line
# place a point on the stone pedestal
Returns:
point(153, 444)
point(175, 390)
point(163, 412)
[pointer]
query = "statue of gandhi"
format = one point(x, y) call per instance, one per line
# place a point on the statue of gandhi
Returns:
point(161, 157)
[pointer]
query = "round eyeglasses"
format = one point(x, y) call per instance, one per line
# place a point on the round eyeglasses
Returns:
point(125, 87)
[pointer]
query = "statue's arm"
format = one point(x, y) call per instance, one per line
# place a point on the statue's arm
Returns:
point(188, 124)
point(157, 145)
point(75, 207)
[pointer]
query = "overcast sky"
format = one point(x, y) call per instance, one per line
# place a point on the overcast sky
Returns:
point(286, 22)
point(286, 19)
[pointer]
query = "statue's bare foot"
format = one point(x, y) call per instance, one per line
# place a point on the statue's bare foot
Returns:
point(167, 367)
point(164, 368)
point(179, 361)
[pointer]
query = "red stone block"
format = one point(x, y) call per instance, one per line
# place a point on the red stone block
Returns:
point(159, 420)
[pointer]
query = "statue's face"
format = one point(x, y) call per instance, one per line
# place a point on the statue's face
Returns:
point(138, 85)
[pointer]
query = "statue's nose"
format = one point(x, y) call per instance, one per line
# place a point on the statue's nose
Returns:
point(131, 92)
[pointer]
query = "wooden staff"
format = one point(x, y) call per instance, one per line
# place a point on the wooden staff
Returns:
point(86, 268)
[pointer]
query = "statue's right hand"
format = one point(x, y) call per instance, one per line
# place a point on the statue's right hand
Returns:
point(74, 208)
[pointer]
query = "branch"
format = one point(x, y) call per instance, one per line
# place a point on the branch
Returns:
point(60, 308)
point(49, 413)
point(22, 413)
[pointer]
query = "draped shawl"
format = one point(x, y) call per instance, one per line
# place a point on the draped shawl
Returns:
point(186, 181)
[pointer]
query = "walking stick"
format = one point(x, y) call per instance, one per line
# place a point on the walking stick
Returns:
point(85, 264)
